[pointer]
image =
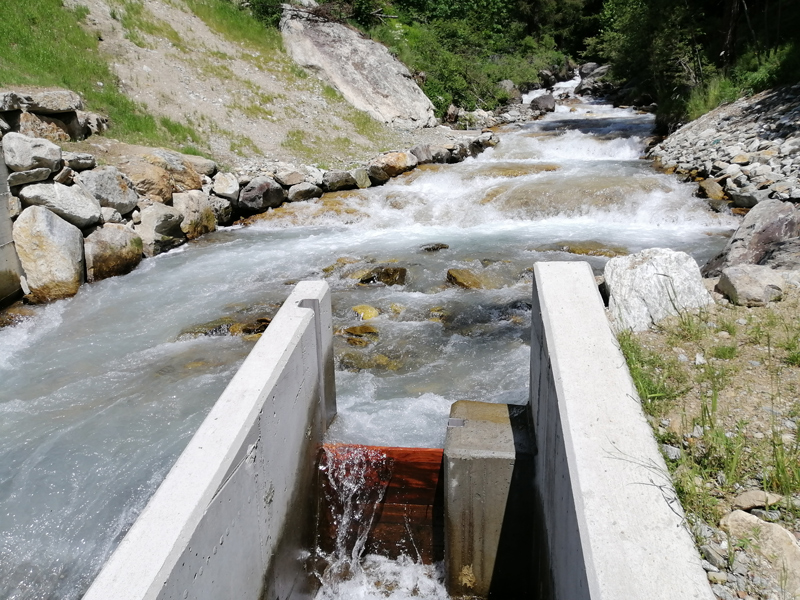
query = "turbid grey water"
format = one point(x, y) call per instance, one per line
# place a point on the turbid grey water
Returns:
point(100, 393)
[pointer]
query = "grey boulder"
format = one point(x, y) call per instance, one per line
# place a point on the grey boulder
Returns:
point(111, 187)
point(646, 287)
point(198, 214)
point(334, 181)
point(768, 222)
point(545, 103)
point(72, 203)
point(32, 176)
point(23, 153)
point(160, 229)
point(260, 194)
point(751, 285)
point(111, 250)
point(79, 161)
point(304, 191)
point(51, 253)
point(226, 185)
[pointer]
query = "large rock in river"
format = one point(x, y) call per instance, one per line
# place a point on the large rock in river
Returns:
point(648, 286)
point(111, 250)
point(198, 213)
point(160, 229)
point(51, 253)
point(364, 71)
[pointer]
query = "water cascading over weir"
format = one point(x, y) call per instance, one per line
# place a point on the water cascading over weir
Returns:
point(566, 497)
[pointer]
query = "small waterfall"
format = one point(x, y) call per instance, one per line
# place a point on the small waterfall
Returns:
point(355, 479)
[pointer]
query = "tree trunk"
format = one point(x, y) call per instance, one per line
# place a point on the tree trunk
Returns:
point(730, 20)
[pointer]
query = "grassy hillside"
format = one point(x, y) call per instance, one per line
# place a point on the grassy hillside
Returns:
point(45, 45)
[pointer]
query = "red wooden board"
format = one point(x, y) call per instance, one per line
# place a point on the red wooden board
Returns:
point(410, 519)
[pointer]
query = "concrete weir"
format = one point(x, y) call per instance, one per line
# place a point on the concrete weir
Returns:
point(565, 498)
point(235, 513)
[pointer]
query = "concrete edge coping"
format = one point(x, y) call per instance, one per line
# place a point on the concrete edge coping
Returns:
point(632, 527)
point(143, 561)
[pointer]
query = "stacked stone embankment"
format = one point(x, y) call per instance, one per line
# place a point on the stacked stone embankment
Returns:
point(75, 221)
point(742, 153)
point(745, 158)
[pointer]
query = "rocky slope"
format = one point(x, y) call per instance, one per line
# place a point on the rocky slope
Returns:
point(247, 99)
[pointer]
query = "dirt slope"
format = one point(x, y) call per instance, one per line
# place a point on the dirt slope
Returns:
point(248, 100)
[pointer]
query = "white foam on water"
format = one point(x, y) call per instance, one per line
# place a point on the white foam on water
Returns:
point(381, 578)
point(98, 398)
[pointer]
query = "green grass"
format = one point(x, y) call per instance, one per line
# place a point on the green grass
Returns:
point(43, 44)
point(237, 25)
point(138, 20)
point(658, 381)
point(724, 352)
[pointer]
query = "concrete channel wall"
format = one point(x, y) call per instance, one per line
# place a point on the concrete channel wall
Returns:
point(233, 517)
point(10, 268)
point(613, 528)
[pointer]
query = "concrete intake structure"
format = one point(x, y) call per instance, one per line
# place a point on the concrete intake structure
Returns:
point(610, 524)
point(234, 516)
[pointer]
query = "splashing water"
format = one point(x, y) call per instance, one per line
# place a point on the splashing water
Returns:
point(100, 393)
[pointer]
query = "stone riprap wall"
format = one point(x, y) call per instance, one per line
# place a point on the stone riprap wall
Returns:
point(744, 152)
point(10, 269)
point(76, 222)
point(612, 525)
point(234, 516)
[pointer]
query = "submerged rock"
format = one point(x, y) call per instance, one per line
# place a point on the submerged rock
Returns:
point(365, 311)
point(360, 335)
point(357, 361)
point(464, 278)
point(433, 247)
point(386, 275)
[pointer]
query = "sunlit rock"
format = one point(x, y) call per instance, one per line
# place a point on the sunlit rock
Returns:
point(51, 252)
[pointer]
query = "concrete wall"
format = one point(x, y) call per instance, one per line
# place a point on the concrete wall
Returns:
point(234, 515)
point(612, 525)
point(10, 269)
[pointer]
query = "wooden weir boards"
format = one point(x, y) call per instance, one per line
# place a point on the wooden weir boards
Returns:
point(410, 519)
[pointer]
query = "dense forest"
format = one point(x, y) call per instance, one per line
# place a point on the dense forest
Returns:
point(688, 56)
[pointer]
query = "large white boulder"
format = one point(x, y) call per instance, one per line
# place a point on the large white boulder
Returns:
point(111, 187)
point(363, 70)
point(51, 253)
point(653, 284)
point(23, 153)
point(72, 203)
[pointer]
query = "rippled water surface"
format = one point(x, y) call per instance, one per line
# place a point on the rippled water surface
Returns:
point(99, 396)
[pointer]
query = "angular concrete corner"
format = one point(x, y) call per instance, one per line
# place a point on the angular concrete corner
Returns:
point(613, 526)
point(488, 476)
point(234, 516)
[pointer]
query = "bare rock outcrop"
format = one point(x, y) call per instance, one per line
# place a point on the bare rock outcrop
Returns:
point(363, 71)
